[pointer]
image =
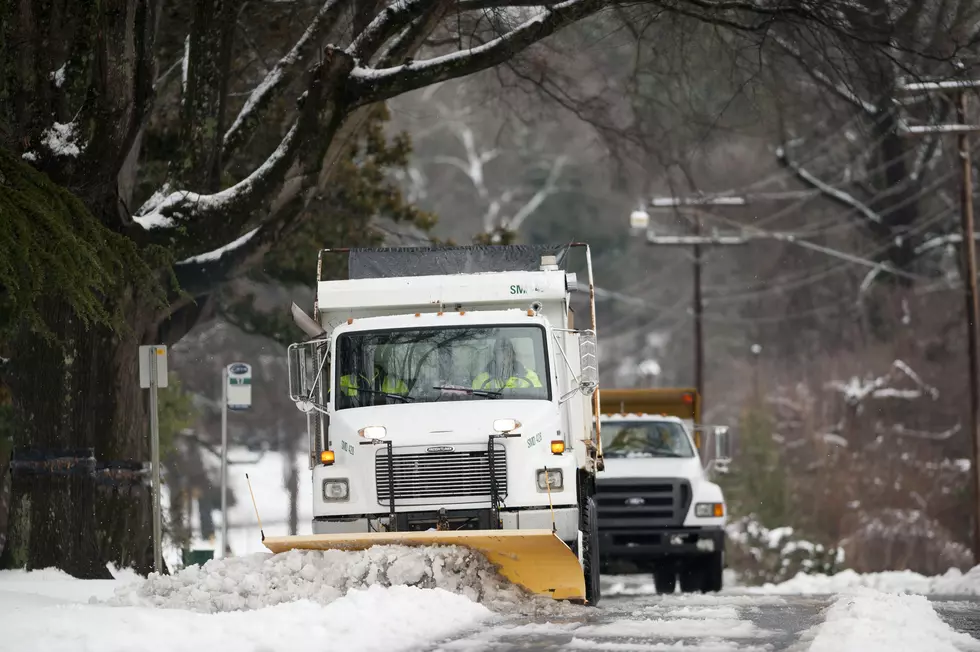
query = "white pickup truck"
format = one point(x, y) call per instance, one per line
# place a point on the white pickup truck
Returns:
point(658, 510)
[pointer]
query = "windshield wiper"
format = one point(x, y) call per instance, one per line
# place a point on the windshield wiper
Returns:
point(467, 390)
point(374, 391)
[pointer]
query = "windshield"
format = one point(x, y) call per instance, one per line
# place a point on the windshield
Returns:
point(427, 365)
point(645, 439)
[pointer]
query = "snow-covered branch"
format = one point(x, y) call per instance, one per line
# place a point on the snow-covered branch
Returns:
point(184, 206)
point(839, 88)
point(389, 22)
point(942, 241)
point(549, 188)
point(282, 74)
point(829, 191)
point(369, 85)
point(210, 219)
point(856, 390)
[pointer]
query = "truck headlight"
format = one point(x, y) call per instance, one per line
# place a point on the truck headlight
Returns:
point(709, 510)
point(373, 432)
point(553, 476)
point(336, 489)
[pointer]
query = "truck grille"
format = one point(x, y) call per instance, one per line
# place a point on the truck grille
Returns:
point(453, 477)
point(642, 503)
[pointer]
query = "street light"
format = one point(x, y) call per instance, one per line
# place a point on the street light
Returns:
point(639, 219)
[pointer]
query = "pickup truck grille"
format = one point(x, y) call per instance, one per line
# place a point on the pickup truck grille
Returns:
point(448, 477)
point(641, 503)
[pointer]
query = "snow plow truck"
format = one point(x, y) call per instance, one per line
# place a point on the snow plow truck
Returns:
point(450, 401)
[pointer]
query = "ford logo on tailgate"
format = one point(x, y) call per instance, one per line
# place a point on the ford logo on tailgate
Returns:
point(440, 449)
point(635, 501)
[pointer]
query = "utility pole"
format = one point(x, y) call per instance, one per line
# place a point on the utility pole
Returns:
point(970, 262)
point(968, 259)
point(698, 310)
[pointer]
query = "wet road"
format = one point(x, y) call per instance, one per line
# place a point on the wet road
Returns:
point(725, 622)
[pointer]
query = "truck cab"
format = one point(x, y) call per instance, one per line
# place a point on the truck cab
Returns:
point(658, 509)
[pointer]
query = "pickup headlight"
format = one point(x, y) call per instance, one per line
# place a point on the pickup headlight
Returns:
point(554, 477)
point(336, 489)
point(709, 510)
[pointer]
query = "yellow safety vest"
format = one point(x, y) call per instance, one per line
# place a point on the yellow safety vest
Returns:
point(530, 379)
point(390, 385)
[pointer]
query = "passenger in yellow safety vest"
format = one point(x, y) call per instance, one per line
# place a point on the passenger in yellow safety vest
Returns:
point(506, 371)
point(351, 384)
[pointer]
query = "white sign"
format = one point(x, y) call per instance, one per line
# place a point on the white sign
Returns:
point(161, 358)
point(239, 386)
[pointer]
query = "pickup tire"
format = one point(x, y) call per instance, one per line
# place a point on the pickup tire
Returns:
point(590, 552)
point(664, 579)
point(693, 576)
point(713, 571)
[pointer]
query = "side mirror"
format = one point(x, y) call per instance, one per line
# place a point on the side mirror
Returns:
point(589, 362)
point(723, 445)
point(304, 367)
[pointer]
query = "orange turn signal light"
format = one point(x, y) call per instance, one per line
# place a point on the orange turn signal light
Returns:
point(719, 510)
point(327, 457)
point(557, 447)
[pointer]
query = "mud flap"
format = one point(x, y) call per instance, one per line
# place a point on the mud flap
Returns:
point(535, 559)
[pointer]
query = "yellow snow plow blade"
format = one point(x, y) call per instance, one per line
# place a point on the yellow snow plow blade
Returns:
point(535, 559)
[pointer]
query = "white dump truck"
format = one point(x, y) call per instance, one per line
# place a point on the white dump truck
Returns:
point(450, 400)
point(659, 512)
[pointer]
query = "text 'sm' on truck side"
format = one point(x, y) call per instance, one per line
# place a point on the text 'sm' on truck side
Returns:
point(451, 401)
point(658, 510)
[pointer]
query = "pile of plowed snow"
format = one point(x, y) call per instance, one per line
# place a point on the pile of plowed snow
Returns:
point(262, 580)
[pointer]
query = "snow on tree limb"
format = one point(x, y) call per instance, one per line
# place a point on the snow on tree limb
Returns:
point(368, 85)
point(389, 22)
point(217, 254)
point(828, 190)
point(182, 206)
point(839, 88)
point(282, 74)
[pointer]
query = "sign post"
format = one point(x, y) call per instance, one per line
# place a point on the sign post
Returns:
point(153, 375)
point(236, 394)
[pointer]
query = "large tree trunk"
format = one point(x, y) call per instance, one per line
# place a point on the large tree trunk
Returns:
point(80, 445)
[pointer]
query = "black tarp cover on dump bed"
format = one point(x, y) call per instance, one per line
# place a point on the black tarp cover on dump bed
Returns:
point(431, 261)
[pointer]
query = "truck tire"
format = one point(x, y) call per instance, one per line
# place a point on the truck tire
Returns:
point(664, 579)
point(590, 552)
point(713, 569)
point(693, 576)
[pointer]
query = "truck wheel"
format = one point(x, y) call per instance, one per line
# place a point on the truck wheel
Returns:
point(590, 553)
point(665, 579)
point(692, 576)
point(713, 567)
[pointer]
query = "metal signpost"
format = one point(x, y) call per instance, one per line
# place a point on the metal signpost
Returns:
point(236, 394)
point(153, 375)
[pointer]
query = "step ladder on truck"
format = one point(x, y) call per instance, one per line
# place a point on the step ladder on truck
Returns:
point(659, 511)
point(450, 401)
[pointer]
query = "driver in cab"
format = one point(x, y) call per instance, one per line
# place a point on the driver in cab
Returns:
point(505, 371)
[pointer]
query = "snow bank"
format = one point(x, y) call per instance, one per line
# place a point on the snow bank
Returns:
point(59, 586)
point(349, 623)
point(263, 580)
point(873, 621)
point(954, 582)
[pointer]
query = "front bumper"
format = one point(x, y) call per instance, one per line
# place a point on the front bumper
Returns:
point(565, 521)
point(653, 543)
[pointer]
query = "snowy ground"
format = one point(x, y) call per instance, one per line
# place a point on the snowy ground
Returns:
point(449, 599)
